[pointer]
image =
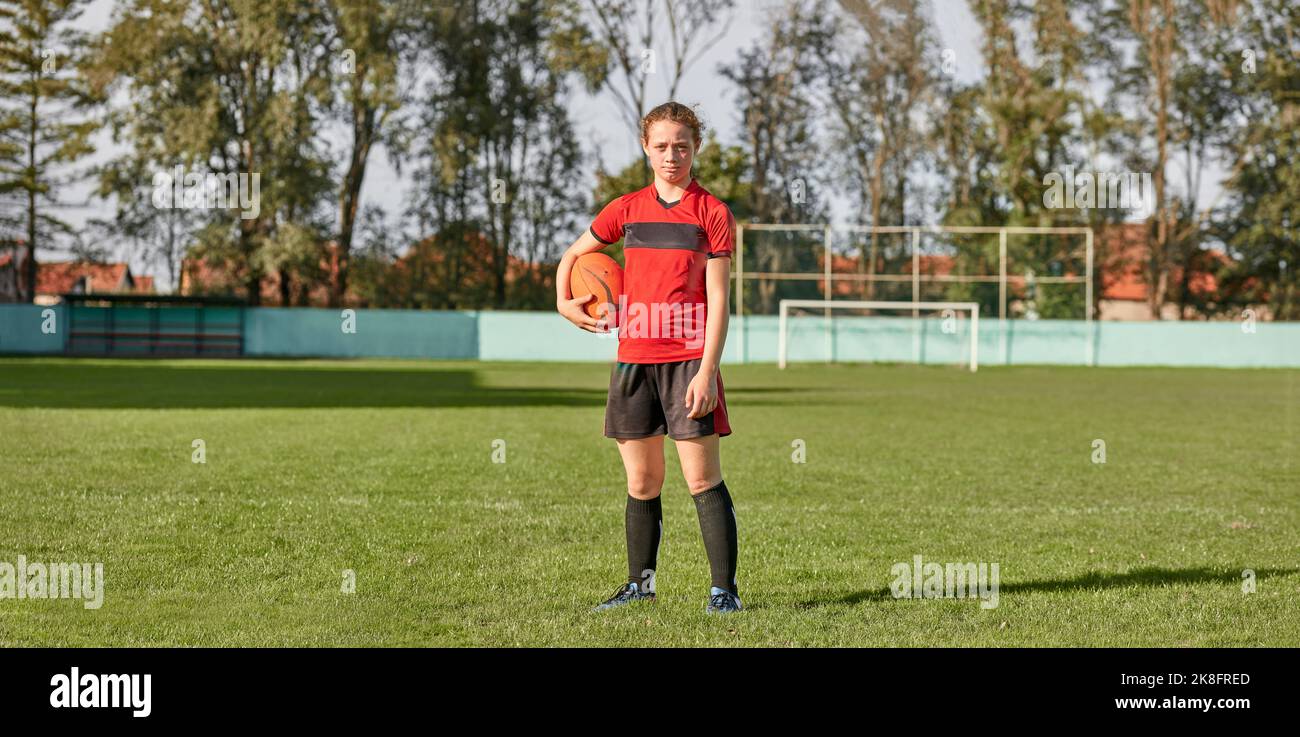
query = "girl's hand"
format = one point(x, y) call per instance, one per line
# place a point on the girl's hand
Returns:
point(702, 394)
point(572, 311)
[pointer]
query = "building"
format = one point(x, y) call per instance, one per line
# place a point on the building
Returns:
point(56, 278)
point(1125, 287)
point(11, 263)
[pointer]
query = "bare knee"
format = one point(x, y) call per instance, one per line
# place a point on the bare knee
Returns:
point(700, 483)
point(644, 485)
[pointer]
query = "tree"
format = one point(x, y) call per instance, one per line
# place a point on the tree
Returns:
point(156, 234)
point(375, 39)
point(497, 156)
point(880, 86)
point(1260, 224)
point(779, 78)
point(1143, 84)
point(45, 125)
point(232, 87)
point(628, 31)
point(1000, 138)
point(1202, 127)
point(1030, 100)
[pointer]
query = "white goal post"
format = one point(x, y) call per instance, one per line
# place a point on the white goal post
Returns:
point(744, 270)
point(971, 307)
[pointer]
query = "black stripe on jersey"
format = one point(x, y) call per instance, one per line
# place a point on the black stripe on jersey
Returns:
point(685, 236)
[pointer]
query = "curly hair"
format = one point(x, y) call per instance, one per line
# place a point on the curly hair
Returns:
point(674, 112)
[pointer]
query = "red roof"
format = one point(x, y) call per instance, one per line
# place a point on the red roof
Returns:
point(1127, 250)
point(61, 277)
point(54, 278)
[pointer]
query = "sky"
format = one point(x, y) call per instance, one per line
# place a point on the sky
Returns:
point(597, 118)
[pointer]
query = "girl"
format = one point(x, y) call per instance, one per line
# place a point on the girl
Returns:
point(677, 241)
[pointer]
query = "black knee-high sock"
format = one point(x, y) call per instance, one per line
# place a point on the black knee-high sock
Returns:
point(644, 523)
point(718, 525)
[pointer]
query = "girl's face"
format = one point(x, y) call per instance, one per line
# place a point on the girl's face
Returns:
point(671, 150)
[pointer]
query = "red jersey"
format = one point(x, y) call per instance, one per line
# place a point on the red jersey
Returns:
point(666, 246)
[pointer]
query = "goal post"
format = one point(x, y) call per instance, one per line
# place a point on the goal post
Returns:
point(1014, 271)
point(783, 320)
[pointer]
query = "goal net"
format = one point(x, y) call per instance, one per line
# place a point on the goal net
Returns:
point(1015, 275)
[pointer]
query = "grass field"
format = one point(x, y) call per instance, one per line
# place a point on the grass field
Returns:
point(385, 468)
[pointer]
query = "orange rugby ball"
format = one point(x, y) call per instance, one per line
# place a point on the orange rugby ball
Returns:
point(598, 274)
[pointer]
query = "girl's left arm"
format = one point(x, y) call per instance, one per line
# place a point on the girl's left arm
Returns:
point(702, 394)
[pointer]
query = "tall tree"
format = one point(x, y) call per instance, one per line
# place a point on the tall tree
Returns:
point(1030, 98)
point(497, 157)
point(885, 68)
point(45, 120)
point(1260, 224)
point(374, 40)
point(232, 87)
point(1203, 127)
point(629, 31)
point(1142, 82)
point(999, 138)
point(779, 79)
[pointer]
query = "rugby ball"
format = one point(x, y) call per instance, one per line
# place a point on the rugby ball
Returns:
point(598, 274)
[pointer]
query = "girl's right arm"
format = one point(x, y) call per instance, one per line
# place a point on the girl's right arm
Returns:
point(565, 304)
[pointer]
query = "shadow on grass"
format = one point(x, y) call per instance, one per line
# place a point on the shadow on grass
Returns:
point(237, 385)
point(1089, 581)
point(144, 385)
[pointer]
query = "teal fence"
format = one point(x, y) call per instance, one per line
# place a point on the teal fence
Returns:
point(287, 331)
point(33, 329)
point(545, 336)
point(142, 331)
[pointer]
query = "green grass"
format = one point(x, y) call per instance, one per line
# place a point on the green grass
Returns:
point(385, 468)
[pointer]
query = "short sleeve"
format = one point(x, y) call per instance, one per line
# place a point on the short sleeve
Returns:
point(608, 225)
point(720, 227)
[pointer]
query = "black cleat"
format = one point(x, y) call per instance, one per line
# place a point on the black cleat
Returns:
point(630, 592)
point(722, 601)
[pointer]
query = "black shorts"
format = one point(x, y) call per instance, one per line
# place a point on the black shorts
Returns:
point(648, 399)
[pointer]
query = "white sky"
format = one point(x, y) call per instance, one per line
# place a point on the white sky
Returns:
point(597, 119)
